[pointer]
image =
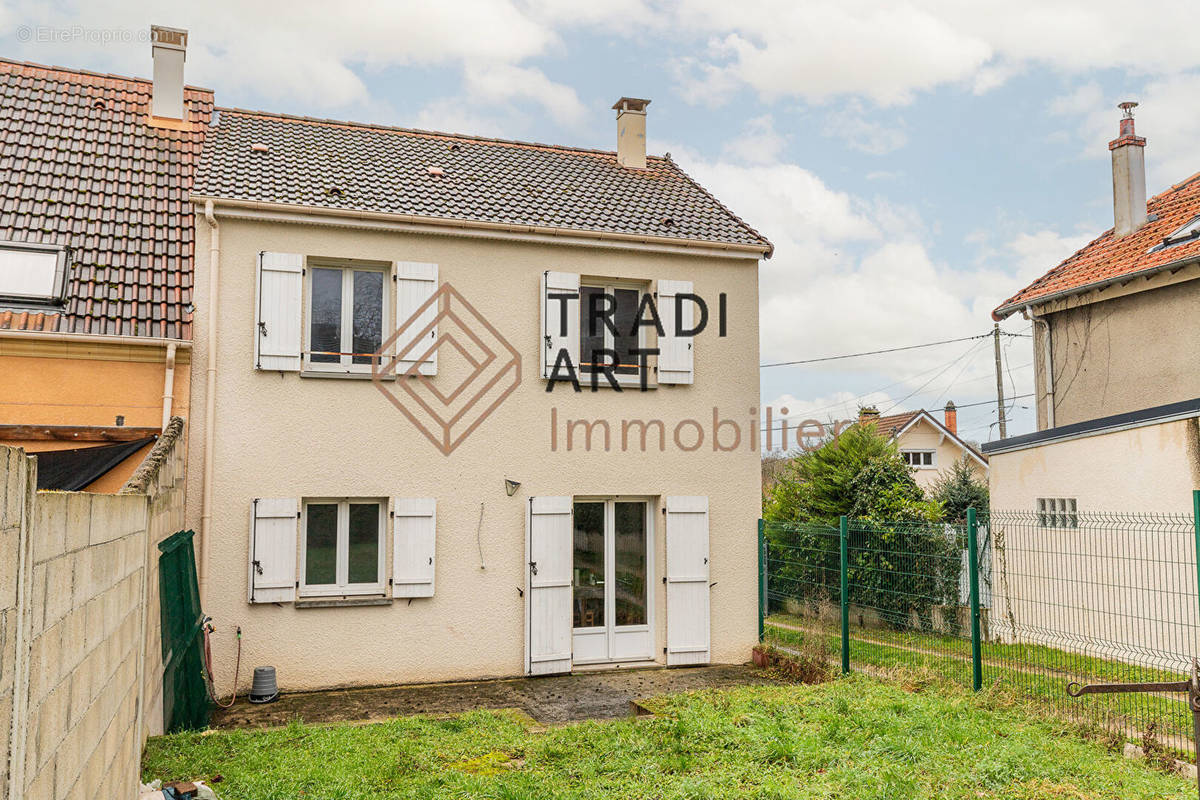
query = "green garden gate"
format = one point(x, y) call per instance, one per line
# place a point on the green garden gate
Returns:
point(185, 701)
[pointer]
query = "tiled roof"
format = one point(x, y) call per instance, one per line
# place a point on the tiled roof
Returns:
point(891, 425)
point(1107, 258)
point(357, 167)
point(80, 167)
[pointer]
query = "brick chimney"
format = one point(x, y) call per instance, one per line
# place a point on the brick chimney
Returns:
point(868, 415)
point(1129, 176)
point(169, 49)
point(951, 417)
point(631, 132)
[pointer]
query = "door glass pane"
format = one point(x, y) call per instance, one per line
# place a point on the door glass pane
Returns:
point(630, 566)
point(626, 338)
point(368, 315)
point(325, 328)
point(364, 543)
point(320, 544)
point(591, 337)
point(589, 565)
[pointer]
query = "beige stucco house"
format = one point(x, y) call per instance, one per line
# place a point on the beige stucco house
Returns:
point(395, 477)
point(929, 445)
point(1116, 348)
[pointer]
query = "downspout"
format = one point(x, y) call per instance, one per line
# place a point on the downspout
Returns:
point(1047, 360)
point(168, 385)
point(210, 398)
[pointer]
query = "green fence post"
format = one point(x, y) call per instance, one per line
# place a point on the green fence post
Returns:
point(973, 571)
point(1196, 525)
point(844, 536)
point(762, 579)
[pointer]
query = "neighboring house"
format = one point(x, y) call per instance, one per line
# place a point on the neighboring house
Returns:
point(96, 244)
point(928, 445)
point(353, 538)
point(1116, 348)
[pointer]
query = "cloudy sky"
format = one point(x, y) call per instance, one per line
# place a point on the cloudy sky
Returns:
point(915, 163)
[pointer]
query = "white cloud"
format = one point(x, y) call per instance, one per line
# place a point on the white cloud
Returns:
point(886, 52)
point(758, 143)
point(850, 124)
point(281, 51)
point(853, 274)
point(819, 50)
point(1040, 251)
point(499, 84)
point(1167, 118)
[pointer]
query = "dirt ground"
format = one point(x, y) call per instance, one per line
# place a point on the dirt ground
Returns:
point(550, 700)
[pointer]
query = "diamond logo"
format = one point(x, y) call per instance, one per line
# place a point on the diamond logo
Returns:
point(446, 327)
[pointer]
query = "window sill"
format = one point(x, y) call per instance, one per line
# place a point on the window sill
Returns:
point(343, 602)
point(626, 384)
point(354, 376)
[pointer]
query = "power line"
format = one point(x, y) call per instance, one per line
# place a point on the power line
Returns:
point(966, 353)
point(793, 419)
point(880, 352)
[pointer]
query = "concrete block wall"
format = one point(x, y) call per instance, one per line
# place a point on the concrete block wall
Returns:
point(80, 653)
point(18, 482)
point(87, 607)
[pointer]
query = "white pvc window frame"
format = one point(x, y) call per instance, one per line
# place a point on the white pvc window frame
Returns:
point(609, 287)
point(345, 363)
point(920, 459)
point(341, 587)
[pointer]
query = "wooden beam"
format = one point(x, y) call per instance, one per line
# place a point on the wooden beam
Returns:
point(74, 433)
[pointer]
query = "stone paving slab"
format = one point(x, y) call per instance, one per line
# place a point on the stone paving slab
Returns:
point(550, 700)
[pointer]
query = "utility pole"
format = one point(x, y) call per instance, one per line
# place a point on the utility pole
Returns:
point(999, 382)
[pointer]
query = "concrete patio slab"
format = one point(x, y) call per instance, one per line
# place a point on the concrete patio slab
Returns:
point(550, 701)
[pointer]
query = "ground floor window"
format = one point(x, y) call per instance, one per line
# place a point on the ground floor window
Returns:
point(343, 546)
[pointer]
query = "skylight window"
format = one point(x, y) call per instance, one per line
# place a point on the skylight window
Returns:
point(1187, 233)
point(32, 273)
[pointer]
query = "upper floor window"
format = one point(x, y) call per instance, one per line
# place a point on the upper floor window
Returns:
point(32, 273)
point(346, 314)
point(919, 459)
point(608, 322)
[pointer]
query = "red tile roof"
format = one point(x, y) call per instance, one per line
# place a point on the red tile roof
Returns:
point(892, 424)
point(81, 168)
point(1108, 258)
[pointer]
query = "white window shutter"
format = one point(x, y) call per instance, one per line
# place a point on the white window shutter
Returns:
point(414, 539)
point(549, 548)
point(277, 339)
point(274, 523)
point(676, 356)
point(687, 581)
point(416, 283)
point(553, 339)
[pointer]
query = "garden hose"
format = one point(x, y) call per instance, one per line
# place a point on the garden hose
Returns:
point(209, 681)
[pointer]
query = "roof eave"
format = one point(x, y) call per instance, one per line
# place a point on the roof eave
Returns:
point(1008, 309)
point(580, 235)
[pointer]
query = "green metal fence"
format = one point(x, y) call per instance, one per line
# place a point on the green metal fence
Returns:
point(1025, 602)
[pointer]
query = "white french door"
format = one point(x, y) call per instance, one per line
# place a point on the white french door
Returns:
point(612, 561)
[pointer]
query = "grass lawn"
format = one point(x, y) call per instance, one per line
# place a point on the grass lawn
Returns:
point(1036, 671)
point(857, 738)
